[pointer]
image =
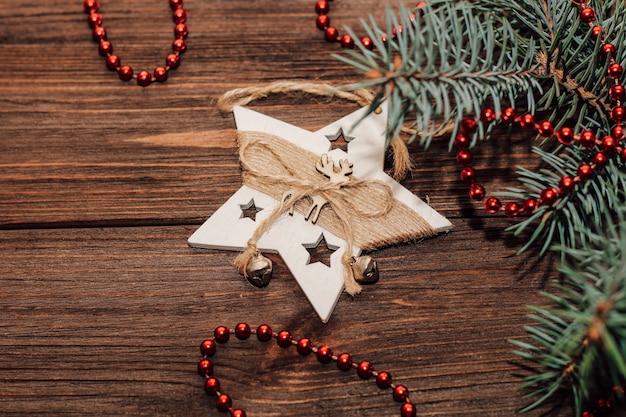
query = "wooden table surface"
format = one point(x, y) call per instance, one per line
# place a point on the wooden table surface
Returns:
point(103, 304)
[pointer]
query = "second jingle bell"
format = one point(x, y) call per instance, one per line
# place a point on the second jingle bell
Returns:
point(258, 270)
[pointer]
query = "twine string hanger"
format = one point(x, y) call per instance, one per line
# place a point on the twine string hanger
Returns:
point(402, 164)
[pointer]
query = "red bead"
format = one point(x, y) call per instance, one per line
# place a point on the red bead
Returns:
point(176, 4)
point(179, 16)
point(545, 129)
point(222, 334)
point(587, 139)
point(322, 7)
point(242, 331)
point(144, 78)
point(304, 346)
point(223, 403)
point(462, 141)
point(205, 367)
point(468, 126)
point(618, 114)
point(181, 30)
point(530, 205)
point(464, 157)
point(565, 135)
point(99, 33)
point(493, 205)
point(94, 20)
point(604, 405)
point(344, 362)
point(347, 41)
point(597, 32)
point(113, 62)
point(284, 339)
point(208, 347)
point(512, 210)
point(468, 175)
point(585, 171)
point(264, 333)
point(331, 34)
point(364, 370)
point(487, 115)
point(587, 414)
point(367, 42)
point(477, 192)
point(622, 155)
point(608, 145)
point(324, 354)
point(400, 393)
point(608, 50)
point(211, 386)
point(395, 31)
point(615, 70)
point(548, 196)
point(91, 5)
point(408, 410)
point(566, 184)
point(237, 412)
point(160, 74)
point(600, 159)
point(527, 121)
point(383, 379)
point(125, 73)
point(508, 115)
point(179, 45)
point(587, 15)
point(322, 22)
point(172, 61)
point(617, 92)
point(105, 48)
point(618, 133)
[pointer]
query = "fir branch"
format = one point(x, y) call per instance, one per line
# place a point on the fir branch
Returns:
point(446, 64)
point(580, 342)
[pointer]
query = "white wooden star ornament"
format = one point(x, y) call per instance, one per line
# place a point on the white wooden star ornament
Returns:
point(341, 198)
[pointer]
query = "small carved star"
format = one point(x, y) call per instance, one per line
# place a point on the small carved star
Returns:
point(249, 210)
point(339, 140)
point(320, 251)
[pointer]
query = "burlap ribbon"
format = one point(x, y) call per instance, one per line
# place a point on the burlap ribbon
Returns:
point(361, 212)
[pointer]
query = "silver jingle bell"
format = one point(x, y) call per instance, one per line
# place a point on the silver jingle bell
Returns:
point(365, 269)
point(258, 270)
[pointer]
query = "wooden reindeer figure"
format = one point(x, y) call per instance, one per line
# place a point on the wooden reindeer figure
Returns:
point(327, 167)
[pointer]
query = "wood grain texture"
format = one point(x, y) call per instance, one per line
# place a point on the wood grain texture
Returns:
point(103, 304)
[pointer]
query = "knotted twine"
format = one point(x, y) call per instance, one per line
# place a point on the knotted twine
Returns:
point(361, 212)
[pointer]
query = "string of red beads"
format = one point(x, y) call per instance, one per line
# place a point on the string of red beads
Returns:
point(304, 346)
point(605, 405)
point(125, 72)
point(331, 33)
point(608, 146)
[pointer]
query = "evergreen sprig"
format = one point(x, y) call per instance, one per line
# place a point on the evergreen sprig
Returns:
point(442, 66)
point(580, 341)
point(454, 57)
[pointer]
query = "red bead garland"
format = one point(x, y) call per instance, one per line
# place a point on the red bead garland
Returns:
point(608, 146)
point(331, 33)
point(125, 72)
point(284, 339)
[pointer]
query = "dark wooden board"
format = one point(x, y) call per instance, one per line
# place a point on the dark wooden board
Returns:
point(103, 304)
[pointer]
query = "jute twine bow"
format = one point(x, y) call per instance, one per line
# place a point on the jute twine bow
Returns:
point(362, 212)
point(241, 96)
